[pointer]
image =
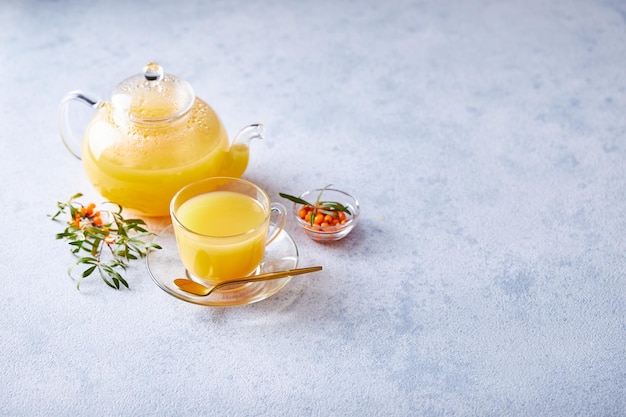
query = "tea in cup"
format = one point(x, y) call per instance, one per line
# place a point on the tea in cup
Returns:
point(222, 226)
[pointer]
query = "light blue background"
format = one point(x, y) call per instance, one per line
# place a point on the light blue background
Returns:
point(485, 140)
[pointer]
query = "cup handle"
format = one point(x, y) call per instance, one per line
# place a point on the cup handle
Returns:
point(279, 214)
point(72, 143)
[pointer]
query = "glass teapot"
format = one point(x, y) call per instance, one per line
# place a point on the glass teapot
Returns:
point(153, 137)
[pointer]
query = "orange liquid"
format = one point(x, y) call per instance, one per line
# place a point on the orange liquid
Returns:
point(141, 167)
point(231, 231)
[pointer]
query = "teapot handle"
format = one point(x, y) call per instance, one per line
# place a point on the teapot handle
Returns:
point(71, 142)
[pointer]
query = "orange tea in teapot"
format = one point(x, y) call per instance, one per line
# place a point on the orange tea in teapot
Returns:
point(152, 138)
point(145, 172)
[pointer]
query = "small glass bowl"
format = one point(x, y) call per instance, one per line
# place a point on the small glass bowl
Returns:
point(328, 233)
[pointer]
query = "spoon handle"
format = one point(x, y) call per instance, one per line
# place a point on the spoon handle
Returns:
point(269, 276)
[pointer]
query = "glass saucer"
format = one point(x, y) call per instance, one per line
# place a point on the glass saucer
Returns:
point(164, 266)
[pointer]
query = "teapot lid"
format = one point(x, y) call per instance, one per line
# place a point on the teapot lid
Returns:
point(153, 96)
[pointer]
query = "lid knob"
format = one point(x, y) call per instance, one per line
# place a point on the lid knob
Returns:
point(153, 72)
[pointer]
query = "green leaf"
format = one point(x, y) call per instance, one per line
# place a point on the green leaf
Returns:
point(87, 260)
point(296, 200)
point(96, 232)
point(123, 281)
point(319, 196)
point(88, 271)
point(334, 205)
point(107, 282)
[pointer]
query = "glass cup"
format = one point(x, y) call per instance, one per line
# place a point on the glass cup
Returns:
point(222, 226)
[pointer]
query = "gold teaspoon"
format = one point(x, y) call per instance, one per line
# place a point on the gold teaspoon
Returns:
point(193, 287)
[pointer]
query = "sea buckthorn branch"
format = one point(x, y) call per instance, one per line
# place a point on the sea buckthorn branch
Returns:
point(121, 240)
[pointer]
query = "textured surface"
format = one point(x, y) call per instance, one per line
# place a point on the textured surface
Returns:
point(485, 140)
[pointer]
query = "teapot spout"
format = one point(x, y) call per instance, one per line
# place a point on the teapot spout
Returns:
point(245, 135)
point(239, 152)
